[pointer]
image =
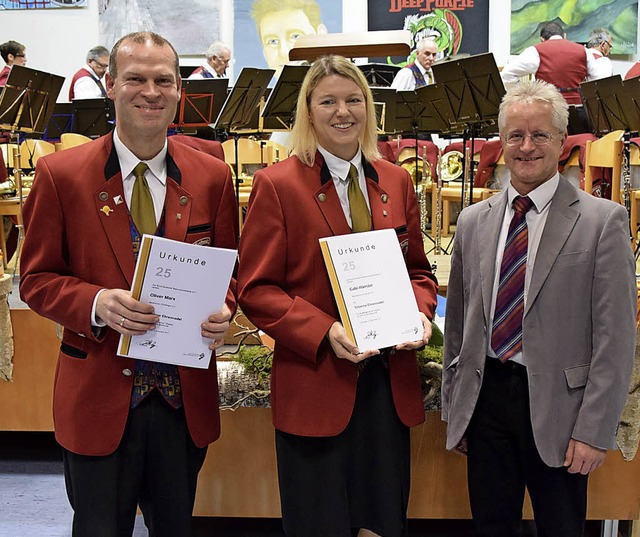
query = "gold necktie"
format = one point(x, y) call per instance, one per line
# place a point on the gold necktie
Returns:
point(142, 211)
point(360, 217)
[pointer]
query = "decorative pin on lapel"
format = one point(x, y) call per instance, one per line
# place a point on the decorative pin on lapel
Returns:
point(384, 213)
point(183, 200)
point(384, 198)
point(118, 199)
point(103, 196)
point(106, 210)
point(322, 197)
point(179, 216)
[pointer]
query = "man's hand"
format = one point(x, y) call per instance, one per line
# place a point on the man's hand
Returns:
point(582, 458)
point(426, 336)
point(216, 326)
point(124, 314)
point(344, 348)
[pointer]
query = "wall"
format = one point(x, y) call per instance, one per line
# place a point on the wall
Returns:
point(58, 39)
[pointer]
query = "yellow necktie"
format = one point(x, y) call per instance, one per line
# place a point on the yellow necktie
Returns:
point(360, 217)
point(142, 211)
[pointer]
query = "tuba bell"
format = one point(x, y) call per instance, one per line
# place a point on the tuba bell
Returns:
point(416, 167)
point(451, 166)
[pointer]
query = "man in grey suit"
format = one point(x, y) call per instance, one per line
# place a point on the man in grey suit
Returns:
point(540, 330)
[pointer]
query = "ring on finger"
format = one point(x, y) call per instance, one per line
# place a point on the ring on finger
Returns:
point(122, 319)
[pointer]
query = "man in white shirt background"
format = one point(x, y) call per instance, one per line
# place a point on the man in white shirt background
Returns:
point(599, 46)
point(218, 58)
point(87, 82)
point(418, 73)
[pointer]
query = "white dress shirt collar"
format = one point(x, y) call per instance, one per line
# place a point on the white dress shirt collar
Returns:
point(128, 161)
point(540, 196)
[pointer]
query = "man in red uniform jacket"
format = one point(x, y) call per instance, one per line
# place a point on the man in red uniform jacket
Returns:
point(134, 433)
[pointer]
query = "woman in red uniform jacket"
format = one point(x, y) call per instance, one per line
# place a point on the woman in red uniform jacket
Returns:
point(342, 417)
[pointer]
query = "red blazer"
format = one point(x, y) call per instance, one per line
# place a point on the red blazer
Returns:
point(78, 242)
point(285, 291)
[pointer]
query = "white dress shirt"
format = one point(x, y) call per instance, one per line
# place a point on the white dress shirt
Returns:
point(536, 219)
point(602, 64)
point(404, 79)
point(209, 69)
point(339, 170)
point(86, 87)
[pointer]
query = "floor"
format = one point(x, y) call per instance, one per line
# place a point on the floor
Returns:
point(33, 501)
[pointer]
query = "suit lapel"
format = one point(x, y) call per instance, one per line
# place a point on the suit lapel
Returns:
point(177, 211)
point(489, 224)
point(114, 217)
point(560, 222)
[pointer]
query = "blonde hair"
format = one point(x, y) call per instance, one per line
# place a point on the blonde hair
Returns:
point(304, 142)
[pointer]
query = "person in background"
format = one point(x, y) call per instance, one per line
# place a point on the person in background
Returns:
point(281, 23)
point(87, 82)
point(218, 58)
point(12, 53)
point(600, 45)
point(342, 416)
point(540, 330)
point(555, 60)
point(418, 73)
point(134, 433)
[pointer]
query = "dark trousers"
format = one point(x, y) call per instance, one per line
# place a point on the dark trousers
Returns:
point(503, 459)
point(156, 466)
point(332, 486)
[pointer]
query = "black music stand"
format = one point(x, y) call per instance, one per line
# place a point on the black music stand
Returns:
point(93, 117)
point(28, 99)
point(26, 104)
point(60, 122)
point(200, 103)
point(241, 107)
point(610, 104)
point(472, 89)
point(379, 74)
point(280, 109)
point(385, 102)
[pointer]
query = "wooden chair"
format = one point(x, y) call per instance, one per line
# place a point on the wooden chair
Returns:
point(279, 151)
point(31, 150)
point(604, 153)
point(72, 139)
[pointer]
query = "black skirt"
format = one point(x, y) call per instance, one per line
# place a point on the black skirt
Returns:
point(333, 486)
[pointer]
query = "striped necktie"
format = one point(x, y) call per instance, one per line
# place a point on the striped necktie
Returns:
point(506, 337)
point(142, 211)
point(360, 216)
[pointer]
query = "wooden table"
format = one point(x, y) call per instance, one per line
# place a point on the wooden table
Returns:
point(239, 476)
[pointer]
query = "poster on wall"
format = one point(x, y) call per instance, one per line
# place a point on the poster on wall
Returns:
point(618, 17)
point(265, 30)
point(190, 25)
point(40, 4)
point(458, 26)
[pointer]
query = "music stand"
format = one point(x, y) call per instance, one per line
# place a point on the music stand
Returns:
point(241, 105)
point(379, 74)
point(385, 101)
point(26, 104)
point(280, 109)
point(610, 105)
point(28, 99)
point(93, 117)
point(60, 122)
point(473, 90)
point(200, 102)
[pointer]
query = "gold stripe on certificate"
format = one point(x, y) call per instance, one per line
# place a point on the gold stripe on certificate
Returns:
point(337, 291)
point(138, 280)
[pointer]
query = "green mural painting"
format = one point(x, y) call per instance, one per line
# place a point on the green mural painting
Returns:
point(578, 18)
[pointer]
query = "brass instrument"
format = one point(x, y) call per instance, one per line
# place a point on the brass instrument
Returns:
point(437, 249)
point(424, 189)
point(626, 173)
point(450, 166)
point(466, 178)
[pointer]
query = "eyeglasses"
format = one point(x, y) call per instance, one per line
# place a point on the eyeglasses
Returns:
point(19, 55)
point(515, 139)
point(102, 65)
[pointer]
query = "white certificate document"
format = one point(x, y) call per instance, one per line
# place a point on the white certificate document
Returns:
point(185, 283)
point(372, 288)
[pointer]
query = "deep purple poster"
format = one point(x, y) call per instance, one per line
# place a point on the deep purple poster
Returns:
point(459, 26)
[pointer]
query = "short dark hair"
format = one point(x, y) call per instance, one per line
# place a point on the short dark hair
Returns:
point(11, 47)
point(549, 29)
point(140, 38)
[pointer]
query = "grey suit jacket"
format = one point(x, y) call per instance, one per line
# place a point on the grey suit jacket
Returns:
point(578, 325)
